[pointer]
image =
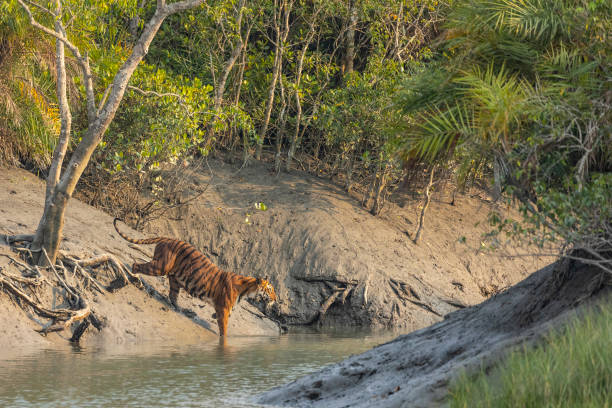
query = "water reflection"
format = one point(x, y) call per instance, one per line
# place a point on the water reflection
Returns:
point(160, 375)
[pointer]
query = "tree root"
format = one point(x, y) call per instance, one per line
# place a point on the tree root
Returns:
point(337, 292)
point(18, 238)
point(124, 273)
point(424, 296)
point(61, 318)
point(325, 279)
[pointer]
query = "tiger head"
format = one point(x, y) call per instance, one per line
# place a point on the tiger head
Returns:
point(265, 287)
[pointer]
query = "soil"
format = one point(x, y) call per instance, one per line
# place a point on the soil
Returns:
point(129, 315)
point(315, 242)
point(416, 369)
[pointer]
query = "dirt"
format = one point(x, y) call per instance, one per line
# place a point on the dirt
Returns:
point(129, 315)
point(416, 369)
point(315, 241)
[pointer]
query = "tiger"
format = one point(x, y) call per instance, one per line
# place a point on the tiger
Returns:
point(190, 269)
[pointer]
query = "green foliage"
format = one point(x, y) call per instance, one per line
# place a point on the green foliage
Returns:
point(158, 128)
point(523, 87)
point(572, 368)
point(29, 117)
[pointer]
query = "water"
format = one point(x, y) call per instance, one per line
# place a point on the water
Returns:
point(207, 375)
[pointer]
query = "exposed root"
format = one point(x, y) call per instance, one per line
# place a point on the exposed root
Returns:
point(43, 311)
point(325, 305)
point(338, 294)
point(424, 296)
point(325, 279)
point(124, 273)
point(18, 238)
point(62, 318)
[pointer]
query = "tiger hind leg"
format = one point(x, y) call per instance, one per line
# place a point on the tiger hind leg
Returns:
point(175, 288)
point(153, 268)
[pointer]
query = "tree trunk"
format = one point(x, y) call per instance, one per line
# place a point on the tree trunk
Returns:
point(298, 103)
point(281, 128)
point(227, 68)
point(349, 172)
point(417, 234)
point(379, 191)
point(281, 37)
point(350, 38)
point(60, 189)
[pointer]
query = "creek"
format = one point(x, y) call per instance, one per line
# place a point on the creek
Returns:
point(162, 375)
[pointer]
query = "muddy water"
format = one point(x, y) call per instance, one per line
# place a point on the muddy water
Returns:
point(155, 375)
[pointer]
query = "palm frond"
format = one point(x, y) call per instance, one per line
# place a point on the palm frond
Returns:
point(438, 132)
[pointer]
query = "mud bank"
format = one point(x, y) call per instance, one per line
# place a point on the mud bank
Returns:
point(333, 263)
point(415, 370)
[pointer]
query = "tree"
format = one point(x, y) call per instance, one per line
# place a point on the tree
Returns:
point(60, 185)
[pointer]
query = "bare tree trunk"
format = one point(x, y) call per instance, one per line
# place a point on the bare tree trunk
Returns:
point(281, 37)
point(62, 143)
point(349, 171)
point(350, 38)
point(227, 68)
point(281, 128)
point(60, 188)
point(417, 234)
point(379, 191)
point(244, 135)
point(298, 102)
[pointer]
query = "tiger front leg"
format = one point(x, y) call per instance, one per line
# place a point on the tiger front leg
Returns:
point(222, 319)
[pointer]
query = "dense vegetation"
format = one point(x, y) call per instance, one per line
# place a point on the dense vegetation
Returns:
point(572, 368)
point(372, 92)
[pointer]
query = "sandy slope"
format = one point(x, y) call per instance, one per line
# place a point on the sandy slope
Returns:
point(129, 314)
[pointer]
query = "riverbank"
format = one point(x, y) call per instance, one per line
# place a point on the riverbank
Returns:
point(331, 262)
point(324, 252)
point(127, 315)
